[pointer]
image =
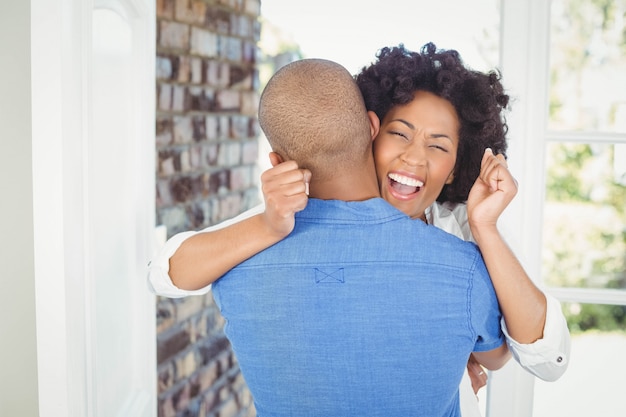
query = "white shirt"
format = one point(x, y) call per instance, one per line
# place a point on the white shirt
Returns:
point(546, 358)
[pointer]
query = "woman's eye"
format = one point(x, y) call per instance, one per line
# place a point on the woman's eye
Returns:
point(439, 147)
point(399, 134)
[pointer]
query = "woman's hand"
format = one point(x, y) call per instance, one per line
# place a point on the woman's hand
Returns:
point(286, 191)
point(492, 192)
point(477, 374)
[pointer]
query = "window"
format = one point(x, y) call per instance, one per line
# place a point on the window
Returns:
point(570, 69)
point(584, 228)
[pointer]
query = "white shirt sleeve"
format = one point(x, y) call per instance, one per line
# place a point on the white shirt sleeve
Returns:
point(546, 358)
point(159, 281)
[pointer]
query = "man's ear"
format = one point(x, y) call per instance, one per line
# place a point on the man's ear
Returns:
point(374, 124)
point(276, 159)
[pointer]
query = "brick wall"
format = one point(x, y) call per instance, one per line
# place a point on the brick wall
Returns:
point(207, 147)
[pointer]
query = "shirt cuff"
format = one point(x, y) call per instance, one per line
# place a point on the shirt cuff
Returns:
point(548, 357)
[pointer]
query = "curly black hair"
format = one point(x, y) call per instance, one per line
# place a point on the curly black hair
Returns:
point(478, 98)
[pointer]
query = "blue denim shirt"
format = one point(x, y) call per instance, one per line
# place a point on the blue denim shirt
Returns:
point(360, 311)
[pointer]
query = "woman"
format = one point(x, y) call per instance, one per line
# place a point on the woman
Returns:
point(437, 118)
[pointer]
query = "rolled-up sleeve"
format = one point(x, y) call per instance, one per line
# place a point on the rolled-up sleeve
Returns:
point(548, 357)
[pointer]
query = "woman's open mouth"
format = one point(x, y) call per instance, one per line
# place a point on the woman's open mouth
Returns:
point(404, 185)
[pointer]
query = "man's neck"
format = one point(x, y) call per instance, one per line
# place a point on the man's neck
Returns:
point(355, 186)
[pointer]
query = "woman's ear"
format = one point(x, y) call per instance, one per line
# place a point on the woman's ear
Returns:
point(374, 124)
point(276, 159)
point(450, 179)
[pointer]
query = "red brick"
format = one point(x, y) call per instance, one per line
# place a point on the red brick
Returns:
point(173, 35)
point(171, 343)
point(206, 139)
point(203, 43)
point(165, 9)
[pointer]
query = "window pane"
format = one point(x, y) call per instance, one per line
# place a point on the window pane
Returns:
point(584, 228)
point(588, 66)
point(594, 382)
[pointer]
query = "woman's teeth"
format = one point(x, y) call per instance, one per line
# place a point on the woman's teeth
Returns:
point(411, 182)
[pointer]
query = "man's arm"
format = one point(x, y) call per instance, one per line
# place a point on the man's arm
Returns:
point(494, 359)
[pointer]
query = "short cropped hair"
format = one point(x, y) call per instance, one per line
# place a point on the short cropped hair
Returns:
point(478, 98)
point(312, 111)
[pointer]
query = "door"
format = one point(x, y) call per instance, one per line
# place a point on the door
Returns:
point(93, 140)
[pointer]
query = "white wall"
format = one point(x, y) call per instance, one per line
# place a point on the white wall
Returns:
point(18, 347)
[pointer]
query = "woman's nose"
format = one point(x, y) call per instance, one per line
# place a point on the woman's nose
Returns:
point(413, 155)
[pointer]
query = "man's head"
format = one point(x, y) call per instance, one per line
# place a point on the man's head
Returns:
point(312, 111)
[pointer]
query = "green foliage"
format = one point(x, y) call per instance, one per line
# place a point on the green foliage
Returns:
point(564, 181)
point(585, 236)
point(585, 230)
point(617, 196)
point(584, 317)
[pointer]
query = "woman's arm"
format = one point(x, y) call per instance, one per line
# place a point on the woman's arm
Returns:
point(533, 322)
point(204, 257)
point(548, 357)
point(200, 258)
point(523, 305)
point(159, 280)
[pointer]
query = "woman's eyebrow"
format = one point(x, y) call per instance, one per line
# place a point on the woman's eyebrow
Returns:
point(441, 135)
point(404, 122)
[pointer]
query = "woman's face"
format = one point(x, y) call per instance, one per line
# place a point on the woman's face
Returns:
point(415, 152)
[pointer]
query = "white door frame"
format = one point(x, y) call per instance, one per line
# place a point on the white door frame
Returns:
point(524, 43)
point(61, 74)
